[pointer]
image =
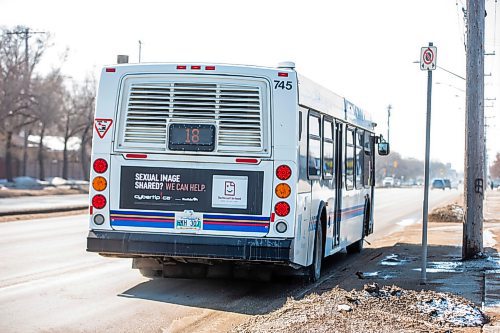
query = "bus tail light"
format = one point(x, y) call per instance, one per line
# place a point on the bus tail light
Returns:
point(283, 190)
point(100, 165)
point(99, 219)
point(283, 172)
point(282, 208)
point(99, 183)
point(99, 201)
point(281, 227)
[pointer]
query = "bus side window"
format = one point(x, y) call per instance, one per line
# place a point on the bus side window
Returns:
point(349, 159)
point(359, 158)
point(300, 125)
point(367, 160)
point(372, 170)
point(327, 149)
point(314, 146)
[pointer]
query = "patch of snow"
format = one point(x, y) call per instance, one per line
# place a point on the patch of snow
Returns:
point(343, 307)
point(57, 181)
point(489, 238)
point(451, 311)
point(443, 267)
point(407, 222)
point(26, 182)
point(393, 260)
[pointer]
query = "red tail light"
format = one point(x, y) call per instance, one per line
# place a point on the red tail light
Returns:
point(283, 172)
point(99, 201)
point(282, 208)
point(100, 165)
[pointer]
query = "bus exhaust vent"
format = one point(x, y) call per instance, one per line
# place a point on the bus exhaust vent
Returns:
point(236, 110)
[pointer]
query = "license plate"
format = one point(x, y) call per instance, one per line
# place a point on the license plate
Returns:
point(188, 221)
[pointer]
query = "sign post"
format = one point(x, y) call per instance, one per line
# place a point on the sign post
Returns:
point(428, 63)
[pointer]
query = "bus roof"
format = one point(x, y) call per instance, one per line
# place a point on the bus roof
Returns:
point(311, 94)
point(319, 98)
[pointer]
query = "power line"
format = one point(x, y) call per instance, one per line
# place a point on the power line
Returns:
point(461, 22)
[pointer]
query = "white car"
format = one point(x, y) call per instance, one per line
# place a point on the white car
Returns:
point(388, 182)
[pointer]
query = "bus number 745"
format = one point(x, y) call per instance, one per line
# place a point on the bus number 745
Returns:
point(283, 85)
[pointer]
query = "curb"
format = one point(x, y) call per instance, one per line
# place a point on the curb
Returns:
point(492, 298)
point(43, 210)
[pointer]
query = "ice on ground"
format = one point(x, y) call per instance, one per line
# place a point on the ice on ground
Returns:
point(489, 238)
point(393, 260)
point(451, 311)
point(407, 222)
point(443, 267)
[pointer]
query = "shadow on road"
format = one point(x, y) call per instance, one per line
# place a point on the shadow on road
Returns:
point(241, 296)
point(394, 265)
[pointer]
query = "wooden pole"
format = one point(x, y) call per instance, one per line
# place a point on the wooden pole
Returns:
point(472, 246)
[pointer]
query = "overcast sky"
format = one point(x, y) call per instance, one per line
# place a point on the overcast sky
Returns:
point(363, 50)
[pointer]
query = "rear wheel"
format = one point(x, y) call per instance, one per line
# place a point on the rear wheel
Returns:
point(356, 247)
point(315, 268)
point(150, 273)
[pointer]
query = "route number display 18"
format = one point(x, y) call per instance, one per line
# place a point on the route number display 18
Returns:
point(191, 137)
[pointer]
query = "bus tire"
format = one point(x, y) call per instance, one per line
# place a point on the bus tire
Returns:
point(356, 247)
point(150, 273)
point(315, 268)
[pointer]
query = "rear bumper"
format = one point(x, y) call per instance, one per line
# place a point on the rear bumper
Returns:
point(129, 244)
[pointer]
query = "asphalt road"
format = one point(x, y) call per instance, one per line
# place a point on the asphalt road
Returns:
point(49, 283)
point(42, 203)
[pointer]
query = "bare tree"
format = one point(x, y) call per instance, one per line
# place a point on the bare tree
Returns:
point(84, 103)
point(50, 94)
point(495, 167)
point(70, 124)
point(18, 60)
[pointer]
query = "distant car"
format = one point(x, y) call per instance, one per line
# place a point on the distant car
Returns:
point(496, 183)
point(447, 183)
point(388, 182)
point(438, 183)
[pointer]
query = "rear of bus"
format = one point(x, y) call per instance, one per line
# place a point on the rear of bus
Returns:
point(194, 163)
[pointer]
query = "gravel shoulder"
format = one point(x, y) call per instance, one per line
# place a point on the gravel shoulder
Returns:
point(380, 289)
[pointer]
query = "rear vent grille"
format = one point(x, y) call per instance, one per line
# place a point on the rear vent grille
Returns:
point(236, 111)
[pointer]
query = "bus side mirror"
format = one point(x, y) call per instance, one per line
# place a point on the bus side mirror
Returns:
point(383, 148)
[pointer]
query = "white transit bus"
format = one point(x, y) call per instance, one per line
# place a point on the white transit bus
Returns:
point(197, 166)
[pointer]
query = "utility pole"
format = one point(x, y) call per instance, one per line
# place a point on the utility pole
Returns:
point(472, 245)
point(140, 49)
point(389, 108)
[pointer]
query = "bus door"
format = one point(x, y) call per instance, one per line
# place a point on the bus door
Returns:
point(339, 153)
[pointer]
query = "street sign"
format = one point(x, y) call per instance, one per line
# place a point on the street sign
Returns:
point(428, 58)
point(427, 62)
point(102, 126)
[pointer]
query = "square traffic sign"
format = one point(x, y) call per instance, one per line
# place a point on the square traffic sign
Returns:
point(428, 56)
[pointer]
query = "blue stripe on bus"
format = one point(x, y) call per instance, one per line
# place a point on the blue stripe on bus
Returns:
point(131, 212)
point(353, 207)
point(170, 225)
point(237, 217)
point(240, 228)
point(351, 212)
point(207, 216)
point(133, 223)
point(166, 220)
